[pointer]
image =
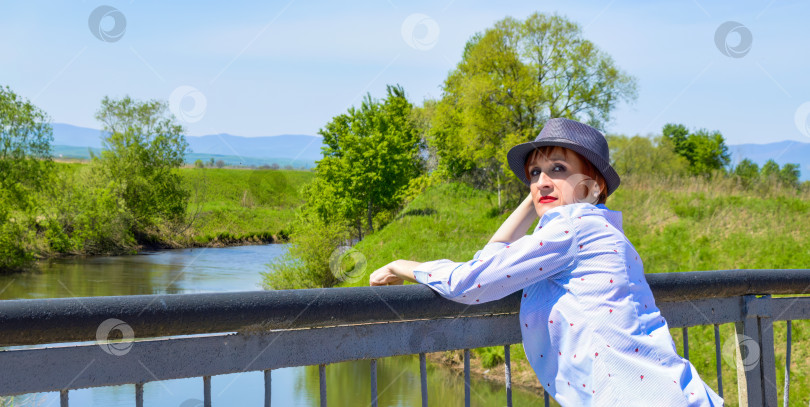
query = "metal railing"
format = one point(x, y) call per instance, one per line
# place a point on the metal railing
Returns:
point(263, 331)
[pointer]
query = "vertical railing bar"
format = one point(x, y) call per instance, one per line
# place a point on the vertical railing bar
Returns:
point(63, 398)
point(466, 378)
point(267, 387)
point(322, 376)
point(423, 377)
point(546, 401)
point(787, 363)
point(767, 359)
point(686, 343)
point(138, 394)
point(373, 382)
point(206, 391)
point(717, 359)
point(508, 372)
point(747, 340)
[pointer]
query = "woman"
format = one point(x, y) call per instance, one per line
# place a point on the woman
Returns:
point(591, 329)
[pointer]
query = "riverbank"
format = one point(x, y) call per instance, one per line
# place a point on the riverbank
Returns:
point(522, 374)
point(226, 207)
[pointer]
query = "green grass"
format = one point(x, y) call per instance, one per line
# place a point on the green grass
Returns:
point(237, 204)
point(679, 224)
point(450, 221)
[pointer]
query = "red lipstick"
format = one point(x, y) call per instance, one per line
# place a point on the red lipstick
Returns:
point(547, 199)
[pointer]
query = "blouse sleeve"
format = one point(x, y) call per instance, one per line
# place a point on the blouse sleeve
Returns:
point(500, 269)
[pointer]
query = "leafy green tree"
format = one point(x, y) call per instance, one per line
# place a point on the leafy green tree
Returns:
point(645, 155)
point(770, 170)
point(199, 164)
point(710, 152)
point(747, 170)
point(512, 78)
point(25, 149)
point(143, 148)
point(706, 151)
point(370, 155)
point(789, 175)
point(25, 169)
point(677, 135)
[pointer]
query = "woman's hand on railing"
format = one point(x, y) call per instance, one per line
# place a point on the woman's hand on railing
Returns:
point(394, 273)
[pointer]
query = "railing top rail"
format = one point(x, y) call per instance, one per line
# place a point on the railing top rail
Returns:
point(37, 321)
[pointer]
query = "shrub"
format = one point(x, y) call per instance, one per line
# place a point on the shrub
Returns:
point(490, 356)
point(306, 263)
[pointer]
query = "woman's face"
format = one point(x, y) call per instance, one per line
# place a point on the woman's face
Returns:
point(557, 179)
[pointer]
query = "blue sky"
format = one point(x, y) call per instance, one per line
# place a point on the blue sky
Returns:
point(287, 67)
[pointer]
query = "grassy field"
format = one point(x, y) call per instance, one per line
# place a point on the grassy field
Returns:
point(675, 224)
point(236, 204)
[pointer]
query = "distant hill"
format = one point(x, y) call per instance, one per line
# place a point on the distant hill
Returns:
point(287, 149)
point(292, 146)
point(75, 136)
point(302, 150)
point(782, 152)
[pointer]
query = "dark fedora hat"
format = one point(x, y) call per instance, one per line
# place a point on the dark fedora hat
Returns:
point(581, 138)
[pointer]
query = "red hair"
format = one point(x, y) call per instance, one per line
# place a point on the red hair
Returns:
point(587, 167)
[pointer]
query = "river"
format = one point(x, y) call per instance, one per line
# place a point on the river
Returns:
point(231, 269)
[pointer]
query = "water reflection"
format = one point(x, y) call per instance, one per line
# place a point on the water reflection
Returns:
point(162, 272)
point(349, 384)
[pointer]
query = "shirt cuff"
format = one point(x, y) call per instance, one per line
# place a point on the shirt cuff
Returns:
point(433, 271)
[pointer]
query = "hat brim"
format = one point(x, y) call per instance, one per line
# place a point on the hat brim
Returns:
point(517, 155)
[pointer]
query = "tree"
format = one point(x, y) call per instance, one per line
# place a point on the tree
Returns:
point(677, 135)
point(199, 164)
point(25, 169)
point(143, 148)
point(370, 155)
point(220, 163)
point(645, 155)
point(770, 170)
point(511, 79)
point(25, 149)
point(789, 175)
point(747, 170)
point(706, 151)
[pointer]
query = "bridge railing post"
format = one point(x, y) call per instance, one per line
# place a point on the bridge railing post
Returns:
point(755, 359)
